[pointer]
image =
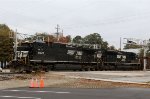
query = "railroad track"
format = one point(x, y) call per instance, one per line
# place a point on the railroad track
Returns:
point(9, 76)
point(18, 76)
point(6, 77)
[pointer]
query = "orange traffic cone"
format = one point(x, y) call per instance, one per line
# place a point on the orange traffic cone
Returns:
point(32, 85)
point(41, 83)
point(36, 84)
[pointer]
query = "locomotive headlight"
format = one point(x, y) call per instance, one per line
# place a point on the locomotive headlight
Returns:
point(99, 54)
point(79, 53)
point(124, 57)
point(118, 56)
point(71, 52)
point(40, 51)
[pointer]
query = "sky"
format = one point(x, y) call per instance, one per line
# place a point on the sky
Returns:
point(112, 19)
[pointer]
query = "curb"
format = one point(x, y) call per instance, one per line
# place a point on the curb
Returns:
point(117, 81)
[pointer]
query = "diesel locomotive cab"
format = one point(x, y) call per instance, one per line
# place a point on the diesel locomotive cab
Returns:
point(22, 58)
point(22, 52)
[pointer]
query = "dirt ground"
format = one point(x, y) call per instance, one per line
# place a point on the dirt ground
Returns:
point(59, 80)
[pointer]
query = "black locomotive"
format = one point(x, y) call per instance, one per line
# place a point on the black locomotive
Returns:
point(39, 56)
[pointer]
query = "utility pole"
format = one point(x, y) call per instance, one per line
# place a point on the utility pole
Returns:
point(62, 33)
point(145, 61)
point(143, 43)
point(120, 43)
point(11, 34)
point(145, 48)
point(57, 33)
point(15, 45)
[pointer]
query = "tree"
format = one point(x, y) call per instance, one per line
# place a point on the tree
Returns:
point(78, 39)
point(141, 54)
point(105, 45)
point(132, 46)
point(4, 30)
point(62, 40)
point(51, 38)
point(68, 38)
point(111, 47)
point(95, 38)
point(6, 43)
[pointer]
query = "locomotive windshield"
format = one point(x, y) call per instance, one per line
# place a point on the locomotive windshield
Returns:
point(22, 51)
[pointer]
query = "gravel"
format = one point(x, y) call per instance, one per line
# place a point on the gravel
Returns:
point(59, 80)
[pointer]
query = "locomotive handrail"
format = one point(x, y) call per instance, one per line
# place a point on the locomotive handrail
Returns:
point(91, 46)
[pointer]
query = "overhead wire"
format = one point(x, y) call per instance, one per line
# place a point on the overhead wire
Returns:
point(110, 20)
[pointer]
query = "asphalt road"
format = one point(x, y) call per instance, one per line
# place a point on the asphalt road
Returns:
point(61, 93)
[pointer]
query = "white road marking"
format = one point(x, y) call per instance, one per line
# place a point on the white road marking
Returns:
point(41, 91)
point(14, 90)
point(62, 92)
point(38, 91)
point(16, 97)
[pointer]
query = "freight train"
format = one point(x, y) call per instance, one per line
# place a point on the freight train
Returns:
point(45, 56)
